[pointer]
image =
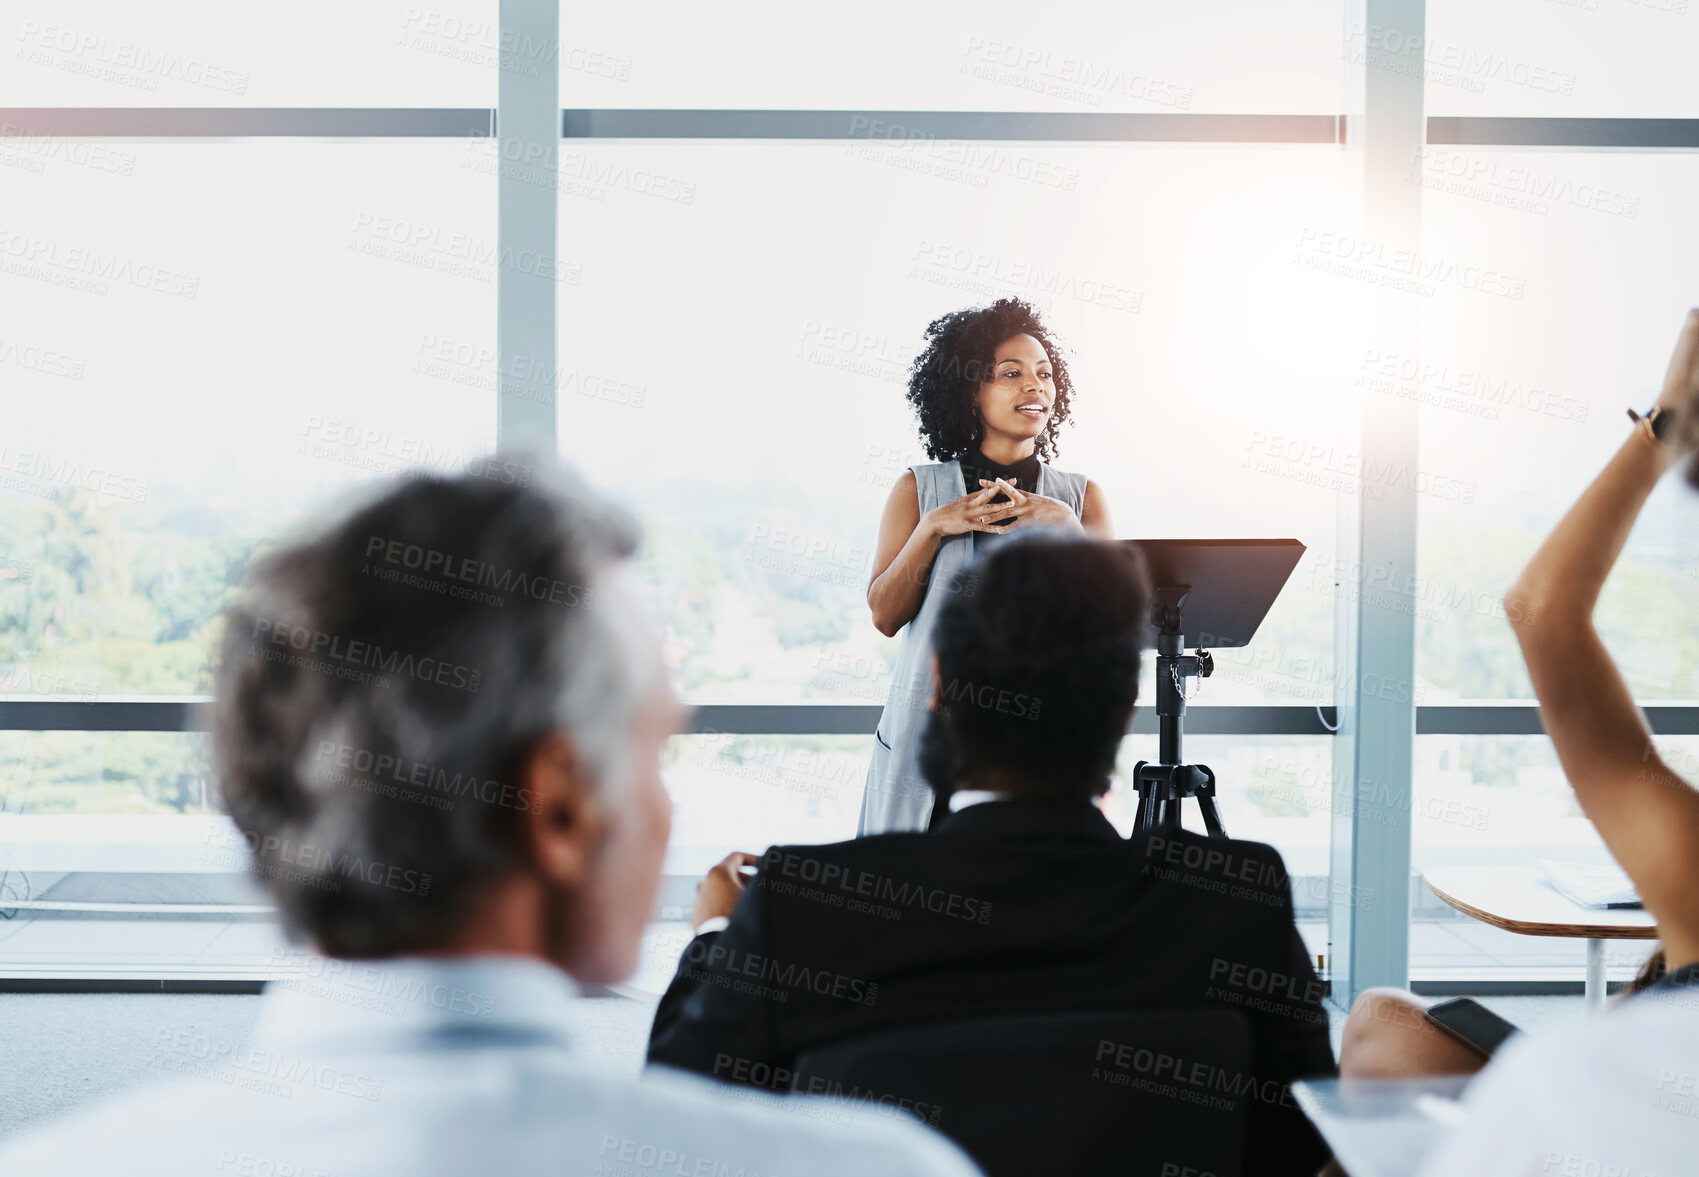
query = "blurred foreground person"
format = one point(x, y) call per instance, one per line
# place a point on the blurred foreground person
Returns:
point(439, 724)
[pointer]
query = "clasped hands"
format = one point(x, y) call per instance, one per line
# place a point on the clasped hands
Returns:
point(976, 511)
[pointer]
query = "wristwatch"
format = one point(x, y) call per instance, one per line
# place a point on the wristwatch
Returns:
point(1660, 421)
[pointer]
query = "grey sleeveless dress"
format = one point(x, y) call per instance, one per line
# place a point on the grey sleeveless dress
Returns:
point(897, 797)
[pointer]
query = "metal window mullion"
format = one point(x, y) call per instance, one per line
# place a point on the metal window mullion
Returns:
point(405, 122)
point(1603, 134)
point(245, 122)
point(1369, 899)
point(527, 150)
point(825, 717)
point(906, 126)
point(24, 713)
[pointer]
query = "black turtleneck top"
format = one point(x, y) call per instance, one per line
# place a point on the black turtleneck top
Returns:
point(1023, 475)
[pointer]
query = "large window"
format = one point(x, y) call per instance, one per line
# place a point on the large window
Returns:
point(201, 53)
point(185, 382)
point(754, 412)
point(189, 377)
point(1225, 56)
point(1528, 389)
point(206, 339)
point(1558, 58)
point(251, 263)
point(753, 408)
point(1528, 392)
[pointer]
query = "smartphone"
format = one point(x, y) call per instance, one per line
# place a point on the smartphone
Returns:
point(1472, 1024)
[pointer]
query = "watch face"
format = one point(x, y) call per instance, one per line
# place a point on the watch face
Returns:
point(1662, 422)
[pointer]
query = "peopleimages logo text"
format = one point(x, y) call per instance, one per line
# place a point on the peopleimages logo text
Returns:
point(780, 863)
point(466, 569)
point(314, 643)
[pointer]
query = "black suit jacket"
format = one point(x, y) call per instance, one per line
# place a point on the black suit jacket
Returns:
point(1006, 907)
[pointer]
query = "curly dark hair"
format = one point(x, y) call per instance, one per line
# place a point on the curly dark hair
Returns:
point(960, 351)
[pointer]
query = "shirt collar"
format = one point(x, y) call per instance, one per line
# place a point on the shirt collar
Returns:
point(344, 1005)
point(1020, 817)
point(1024, 473)
point(960, 801)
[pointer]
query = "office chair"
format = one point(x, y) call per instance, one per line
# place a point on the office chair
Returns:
point(1108, 1094)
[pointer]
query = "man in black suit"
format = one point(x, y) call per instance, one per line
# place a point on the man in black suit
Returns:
point(1023, 898)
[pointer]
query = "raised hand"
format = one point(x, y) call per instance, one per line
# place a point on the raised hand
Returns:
point(1681, 383)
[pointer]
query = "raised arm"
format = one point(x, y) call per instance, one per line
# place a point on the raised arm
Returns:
point(1648, 816)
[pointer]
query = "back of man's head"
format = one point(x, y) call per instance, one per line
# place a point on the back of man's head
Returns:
point(383, 681)
point(1038, 649)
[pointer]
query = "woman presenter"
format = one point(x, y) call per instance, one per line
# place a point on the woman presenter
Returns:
point(991, 391)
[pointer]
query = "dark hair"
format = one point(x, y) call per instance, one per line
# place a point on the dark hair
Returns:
point(1652, 970)
point(960, 354)
point(1038, 648)
point(382, 681)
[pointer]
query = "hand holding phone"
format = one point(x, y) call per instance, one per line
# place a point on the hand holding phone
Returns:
point(1472, 1024)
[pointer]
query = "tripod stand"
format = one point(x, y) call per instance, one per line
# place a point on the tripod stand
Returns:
point(1219, 591)
point(1163, 785)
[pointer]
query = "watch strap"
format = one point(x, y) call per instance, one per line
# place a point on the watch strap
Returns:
point(1660, 422)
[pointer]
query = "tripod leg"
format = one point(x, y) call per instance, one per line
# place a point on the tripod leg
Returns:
point(1211, 815)
point(1169, 817)
point(1141, 819)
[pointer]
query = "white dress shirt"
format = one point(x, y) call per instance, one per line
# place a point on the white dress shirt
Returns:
point(1615, 1094)
point(966, 797)
point(418, 1068)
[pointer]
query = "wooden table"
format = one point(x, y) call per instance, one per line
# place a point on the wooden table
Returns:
point(1519, 899)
